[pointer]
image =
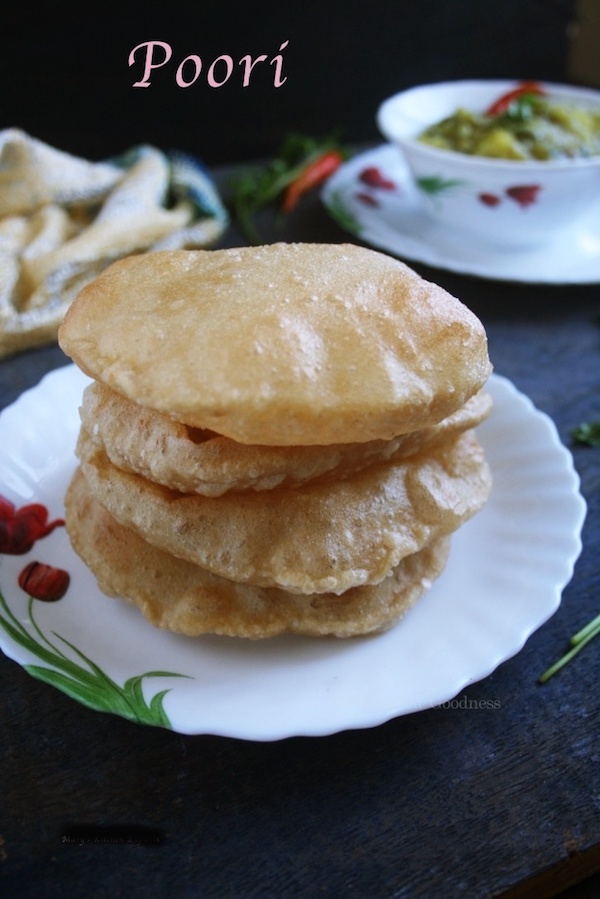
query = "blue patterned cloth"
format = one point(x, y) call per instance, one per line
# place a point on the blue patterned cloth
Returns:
point(64, 219)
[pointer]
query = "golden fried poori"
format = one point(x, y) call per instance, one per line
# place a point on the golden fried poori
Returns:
point(315, 539)
point(181, 597)
point(149, 443)
point(285, 344)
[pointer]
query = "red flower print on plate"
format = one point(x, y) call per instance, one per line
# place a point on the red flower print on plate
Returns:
point(368, 199)
point(523, 194)
point(489, 199)
point(373, 177)
point(20, 528)
point(44, 582)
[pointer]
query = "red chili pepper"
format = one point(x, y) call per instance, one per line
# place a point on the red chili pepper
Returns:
point(311, 176)
point(502, 103)
point(20, 528)
point(44, 582)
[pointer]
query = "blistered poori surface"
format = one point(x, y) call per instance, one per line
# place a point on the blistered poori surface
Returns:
point(181, 597)
point(316, 538)
point(149, 443)
point(282, 344)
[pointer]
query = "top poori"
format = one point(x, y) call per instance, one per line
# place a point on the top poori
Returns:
point(285, 344)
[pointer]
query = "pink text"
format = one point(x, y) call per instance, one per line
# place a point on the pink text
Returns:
point(156, 54)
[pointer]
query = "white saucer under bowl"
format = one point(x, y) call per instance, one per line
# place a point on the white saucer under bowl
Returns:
point(374, 198)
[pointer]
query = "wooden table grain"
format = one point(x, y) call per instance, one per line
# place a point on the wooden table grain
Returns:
point(464, 801)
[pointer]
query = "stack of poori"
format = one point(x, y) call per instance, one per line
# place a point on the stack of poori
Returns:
point(276, 439)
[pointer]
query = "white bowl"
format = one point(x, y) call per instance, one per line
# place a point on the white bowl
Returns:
point(504, 201)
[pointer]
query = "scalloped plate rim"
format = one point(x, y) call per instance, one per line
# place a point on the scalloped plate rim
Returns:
point(326, 695)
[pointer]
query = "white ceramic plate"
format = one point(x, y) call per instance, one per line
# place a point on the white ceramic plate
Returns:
point(394, 219)
point(506, 572)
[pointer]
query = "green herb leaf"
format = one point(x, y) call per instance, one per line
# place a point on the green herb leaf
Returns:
point(577, 642)
point(592, 627)
point(587, 433)
point(521, 109)
point(258, 187)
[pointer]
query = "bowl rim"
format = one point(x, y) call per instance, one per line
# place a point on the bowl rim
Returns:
point(455, 157)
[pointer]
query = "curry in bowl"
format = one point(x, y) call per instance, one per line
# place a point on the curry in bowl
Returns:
point(522, 124)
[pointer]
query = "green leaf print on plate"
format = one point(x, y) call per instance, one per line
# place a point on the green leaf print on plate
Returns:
point(86, 682)
point(434, 185)
point(342, 214)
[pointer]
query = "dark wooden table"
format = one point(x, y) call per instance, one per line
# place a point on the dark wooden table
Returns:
point(443, 803)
